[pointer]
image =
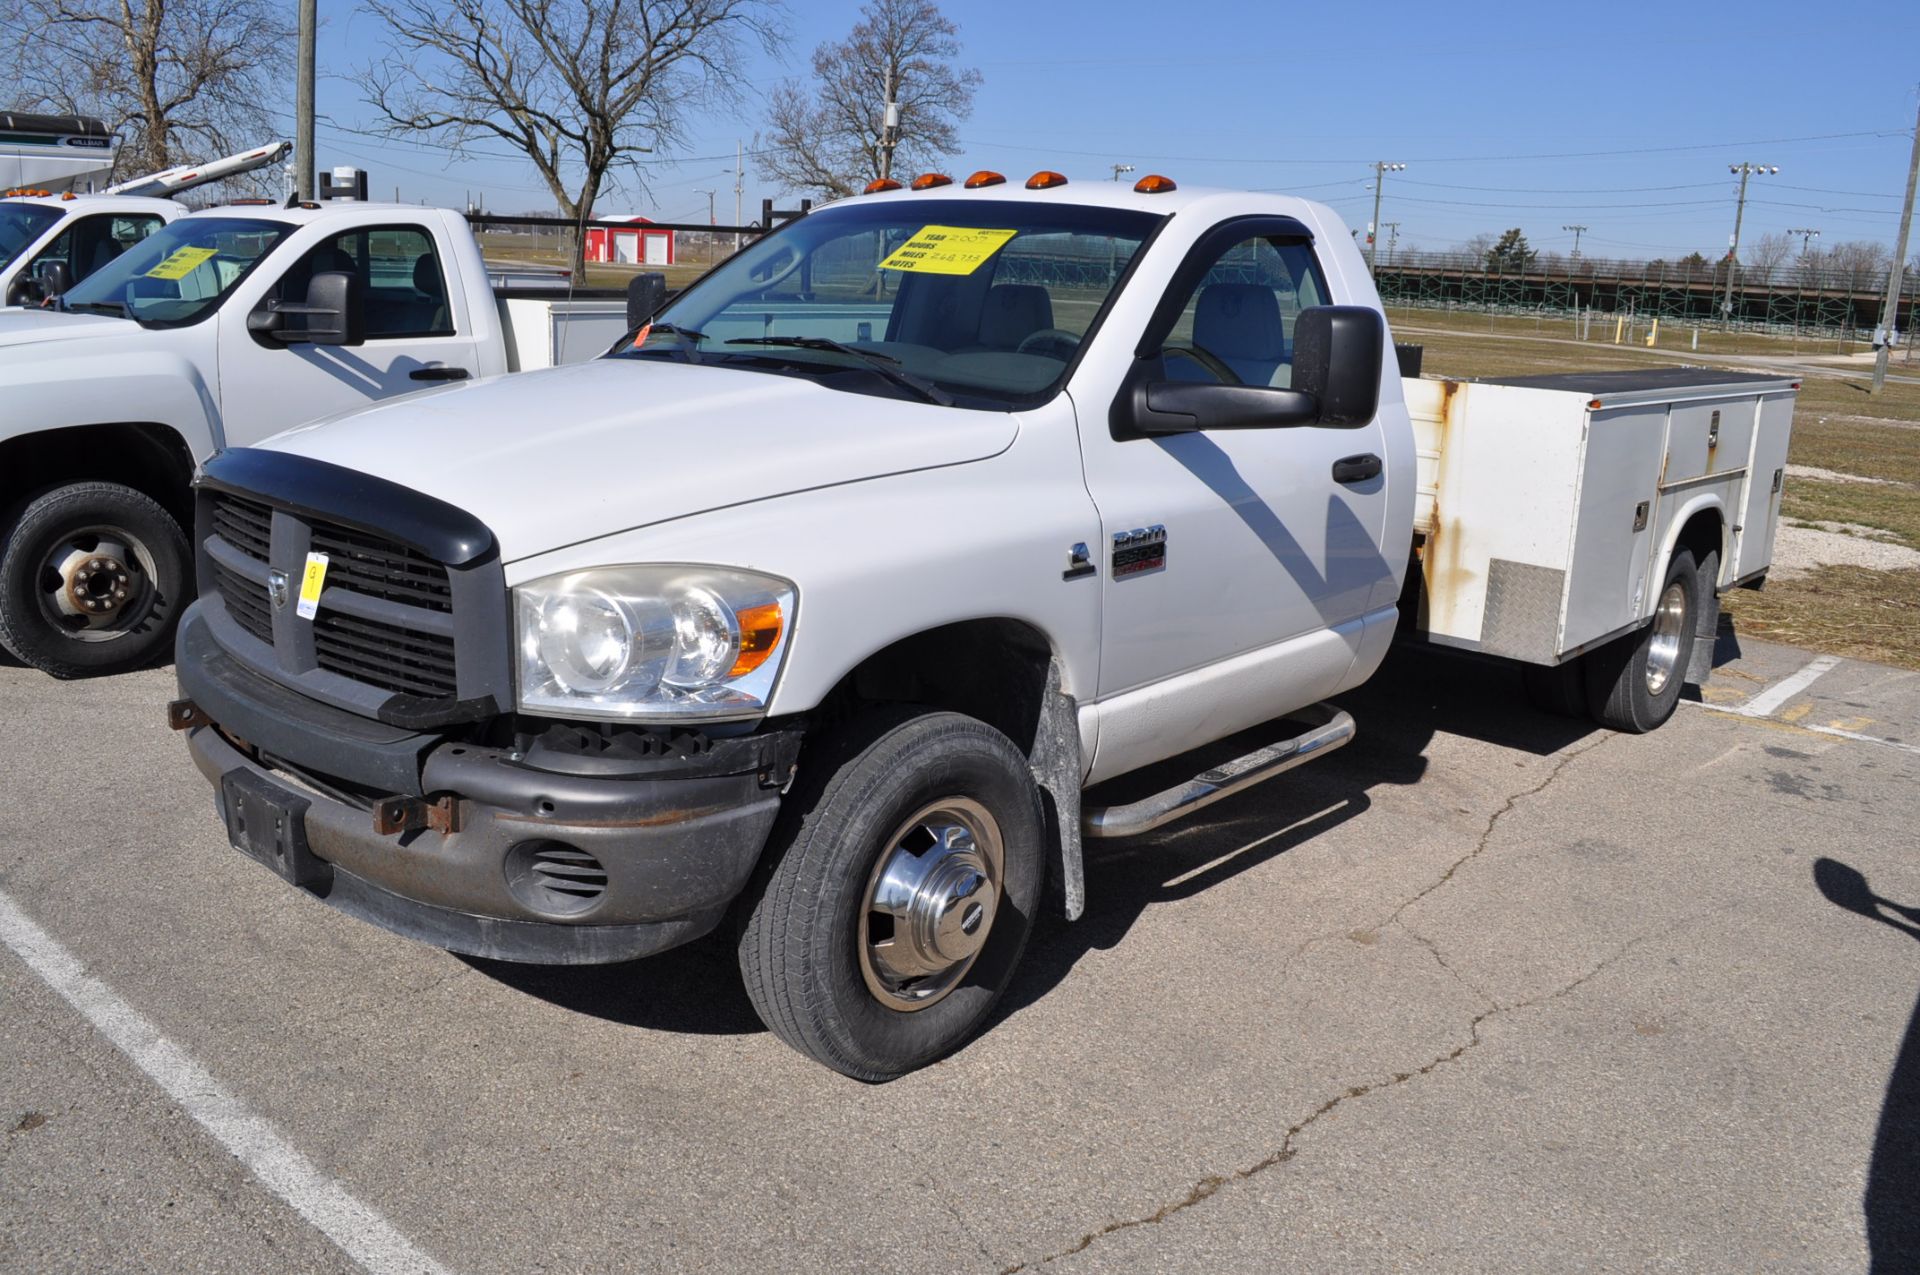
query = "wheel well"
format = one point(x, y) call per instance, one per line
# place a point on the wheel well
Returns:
point(152, 459)
point(1704, 533)
point(993, 670)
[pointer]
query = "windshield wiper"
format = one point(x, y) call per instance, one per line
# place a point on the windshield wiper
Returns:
point(688, 339)
point(97, 307)
point(885, 364)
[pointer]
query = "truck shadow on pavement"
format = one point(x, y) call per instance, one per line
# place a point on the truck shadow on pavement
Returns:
point(1892, 1201)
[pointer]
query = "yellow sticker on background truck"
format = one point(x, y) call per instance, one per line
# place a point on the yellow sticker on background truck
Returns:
point(947, 250)
point(312, 581)
point(182, 263)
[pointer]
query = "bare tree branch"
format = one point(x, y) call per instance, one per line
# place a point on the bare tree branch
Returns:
point(829, 139)
point(185, 80)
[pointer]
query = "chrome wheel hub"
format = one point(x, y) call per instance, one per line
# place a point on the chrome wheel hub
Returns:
point(930, 903)
point(95, 585)
point(1663, 647)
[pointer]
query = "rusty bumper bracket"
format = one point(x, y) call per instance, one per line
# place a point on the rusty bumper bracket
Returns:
point(184, 714)
point(393, 815)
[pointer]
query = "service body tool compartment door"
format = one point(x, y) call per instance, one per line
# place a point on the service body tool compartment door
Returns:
point(1766, 475)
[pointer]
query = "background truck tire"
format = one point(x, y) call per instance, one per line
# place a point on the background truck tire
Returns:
point(898, 798)
point(93, 578)
point(1633, 684)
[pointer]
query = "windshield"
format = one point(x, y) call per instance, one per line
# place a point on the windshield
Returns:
point(179, 274)
point(970, 302)
point(20, 225)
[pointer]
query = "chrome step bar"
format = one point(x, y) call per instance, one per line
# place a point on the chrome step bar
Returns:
point(1328, 729)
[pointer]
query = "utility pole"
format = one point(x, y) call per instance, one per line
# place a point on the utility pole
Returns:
point(1120, 170)
point(1577, 232)
point(1393, 239)
point(1890, 315)
point(739, 182)
point(1739, 212)
point(303, 159)
point(1807, 235)
point(709, 194)
point(1380, 169)
point(889, 129)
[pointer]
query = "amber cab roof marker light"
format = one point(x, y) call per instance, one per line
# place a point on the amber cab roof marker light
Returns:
point(1046, 179)
point(927, 181)
point(1155, 184)
point(985, 177)
point(880, 185)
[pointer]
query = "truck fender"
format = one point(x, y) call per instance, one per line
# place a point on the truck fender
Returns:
point(141, 386)
point(1706, 609)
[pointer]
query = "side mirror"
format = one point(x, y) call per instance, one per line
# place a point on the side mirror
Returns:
point(646, 295)
point(1337, 351)
point(334, 314)
point(54, 277)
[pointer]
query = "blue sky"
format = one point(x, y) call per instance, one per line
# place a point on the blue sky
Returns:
point(1623, 118)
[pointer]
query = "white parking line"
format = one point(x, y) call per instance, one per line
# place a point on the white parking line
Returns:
point(362, 1234)
point(1764, 704)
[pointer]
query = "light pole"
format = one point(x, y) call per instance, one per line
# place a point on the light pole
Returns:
point(1740, 211)
point(1807, 235)
point(1380, 169)
point(709, 194)
point(1393, 239)
point(1120, 170)
point(1577, 232)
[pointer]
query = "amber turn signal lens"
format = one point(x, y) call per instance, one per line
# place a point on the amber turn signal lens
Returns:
point(985, 177)
point(1155, 184)
point(879, 185)
point(759, 634)
point(927, 181)
point(1046, 179)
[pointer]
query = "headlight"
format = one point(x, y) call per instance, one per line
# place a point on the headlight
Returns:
point(651, 642)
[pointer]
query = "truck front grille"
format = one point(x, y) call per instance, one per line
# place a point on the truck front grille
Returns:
point(377, 619)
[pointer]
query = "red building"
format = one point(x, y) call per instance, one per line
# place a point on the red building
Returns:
point(642, 246)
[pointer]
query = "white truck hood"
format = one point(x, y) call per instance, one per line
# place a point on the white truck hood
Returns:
point(667, 440)
point(20, 326)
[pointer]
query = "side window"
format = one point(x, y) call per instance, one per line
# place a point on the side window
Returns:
point(91, 242)
point(1237, 324)
point(401, 282)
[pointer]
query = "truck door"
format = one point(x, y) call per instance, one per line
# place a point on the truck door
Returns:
point(1232, 550)
point(416, 337)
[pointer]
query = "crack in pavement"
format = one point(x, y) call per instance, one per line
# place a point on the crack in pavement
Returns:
point(1211, 1184)
point(1206, 1187)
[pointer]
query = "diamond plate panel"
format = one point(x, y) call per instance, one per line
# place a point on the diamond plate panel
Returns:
point(1522, 619)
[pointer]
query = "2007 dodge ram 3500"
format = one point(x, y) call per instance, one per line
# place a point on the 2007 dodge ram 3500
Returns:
point(822, 600)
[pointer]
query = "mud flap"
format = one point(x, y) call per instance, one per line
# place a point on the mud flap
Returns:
point(1056, 764)
point(1706, 628)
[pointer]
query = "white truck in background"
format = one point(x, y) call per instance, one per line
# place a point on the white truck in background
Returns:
point(831, 599)
point(49, 242)
point(216, 330)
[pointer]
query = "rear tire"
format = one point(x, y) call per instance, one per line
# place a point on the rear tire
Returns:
point(1633, 684)
point(92, 580)
point(901, 884)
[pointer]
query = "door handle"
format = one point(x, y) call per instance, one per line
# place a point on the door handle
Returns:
point(1356, 469)
point(439, 374)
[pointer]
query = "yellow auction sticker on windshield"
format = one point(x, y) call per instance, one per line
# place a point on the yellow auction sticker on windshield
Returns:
point(182, 263)
point(947, 250)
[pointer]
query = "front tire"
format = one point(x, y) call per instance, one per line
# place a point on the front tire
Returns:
point(1633, 684)
point(92, 580)
point(904, 875)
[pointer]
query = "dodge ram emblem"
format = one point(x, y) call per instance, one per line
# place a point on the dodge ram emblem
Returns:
point(277, 589)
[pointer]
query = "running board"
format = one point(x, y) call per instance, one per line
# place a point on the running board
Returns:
point(1328, 728)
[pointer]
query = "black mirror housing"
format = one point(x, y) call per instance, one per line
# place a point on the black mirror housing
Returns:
point(646, 297)
point(334, 313)
point(1337, 353)
point(54, 277)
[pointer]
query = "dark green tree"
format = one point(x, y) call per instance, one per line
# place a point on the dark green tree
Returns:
point(1510, 255)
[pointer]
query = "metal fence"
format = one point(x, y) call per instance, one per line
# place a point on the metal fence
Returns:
point(1814, 295)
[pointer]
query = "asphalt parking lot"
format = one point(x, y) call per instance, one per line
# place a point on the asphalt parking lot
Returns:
point(1484, 991)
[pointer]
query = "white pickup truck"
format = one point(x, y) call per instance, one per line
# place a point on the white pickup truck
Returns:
point(825, 599)
point(216, 330)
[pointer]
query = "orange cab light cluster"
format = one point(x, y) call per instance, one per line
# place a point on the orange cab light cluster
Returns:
point(1154, 184)
point(249, 203)
point(1045, 179)
point(927, 181)
point(985, 177)
point(880, 185)
point(759, 634)
point(27, 193)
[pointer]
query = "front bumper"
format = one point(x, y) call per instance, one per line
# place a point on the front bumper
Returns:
point(672, 847)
